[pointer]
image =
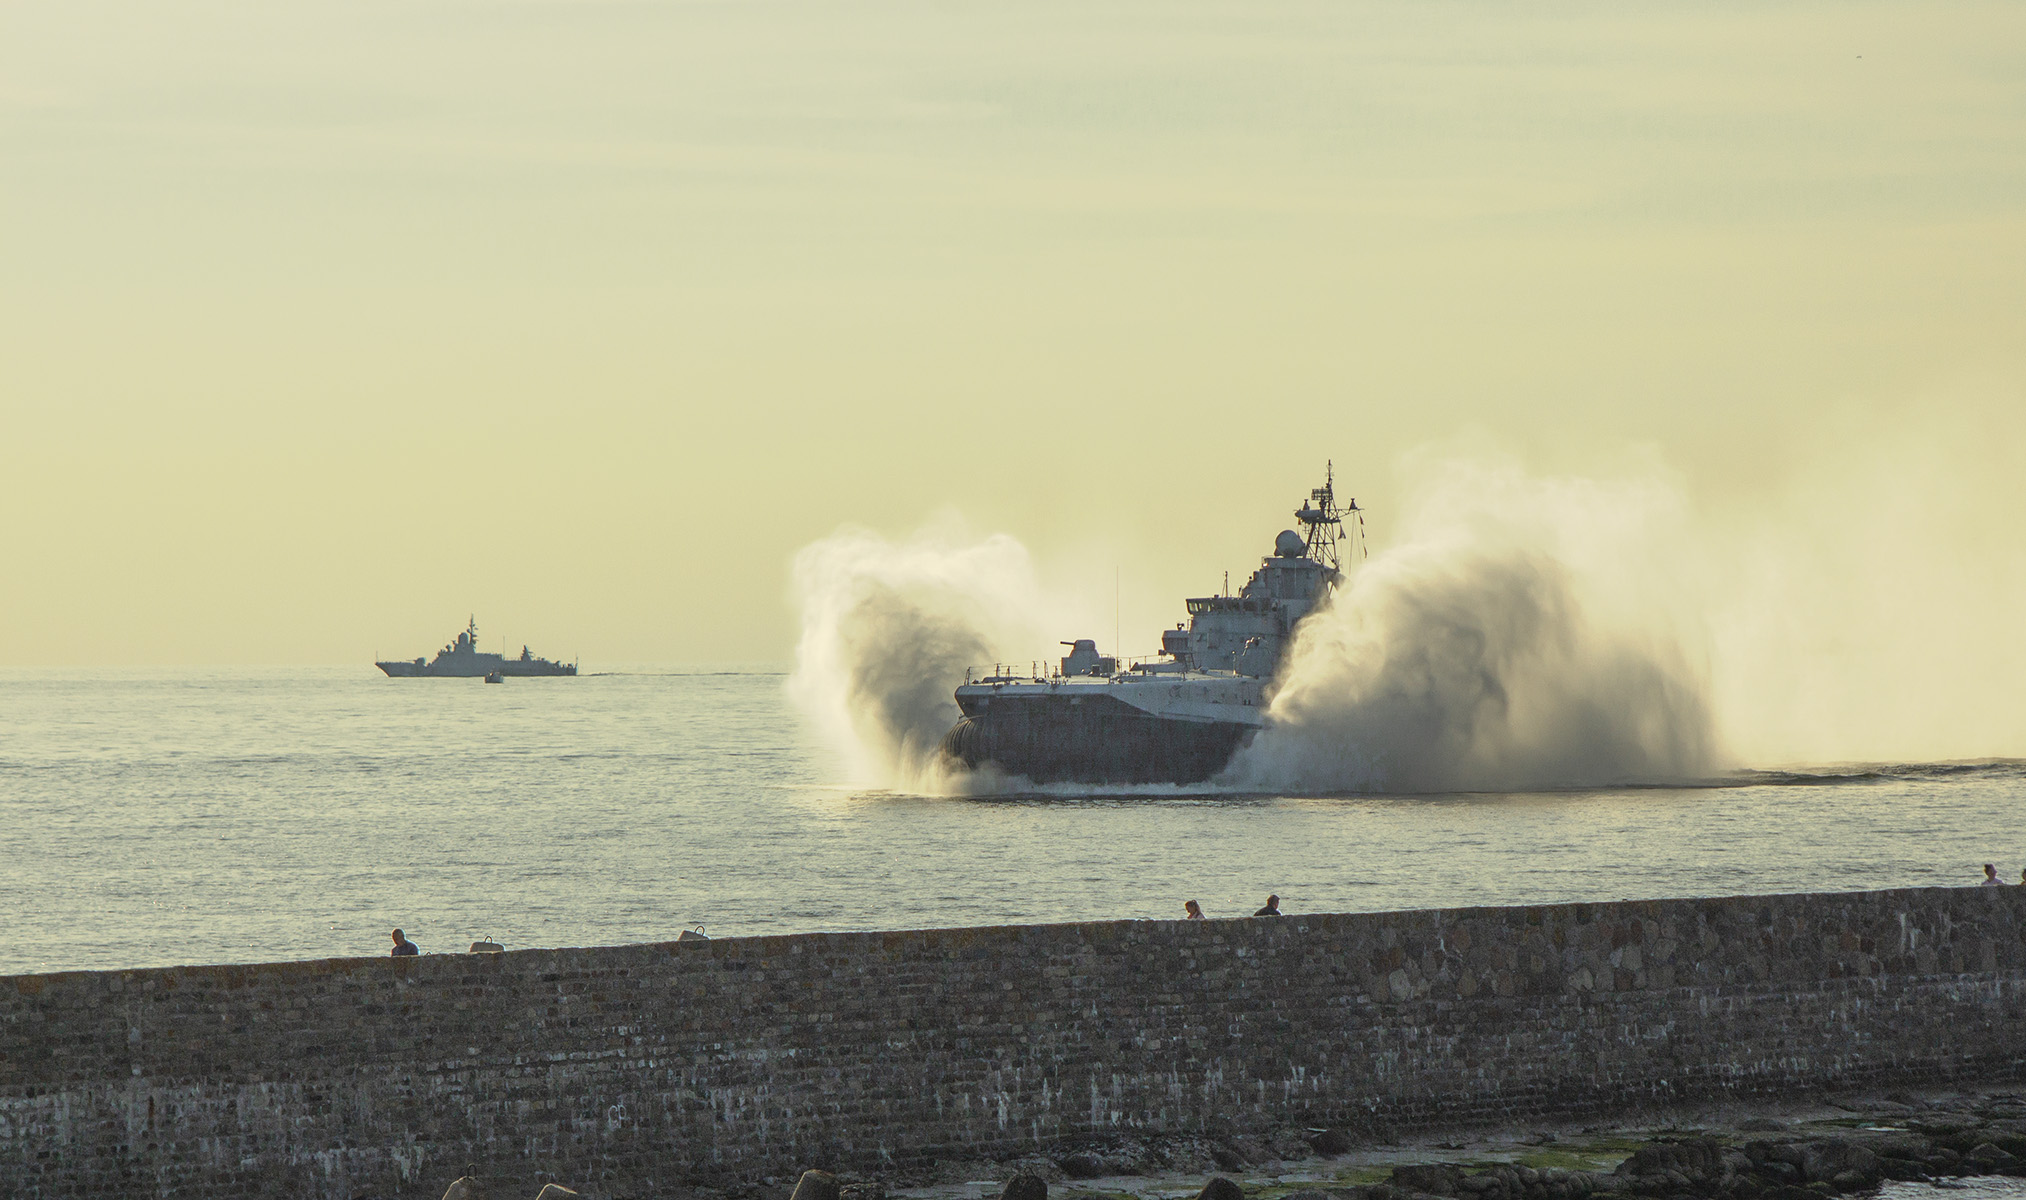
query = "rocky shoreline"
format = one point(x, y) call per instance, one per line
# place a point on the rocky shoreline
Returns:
point(1807, 1151)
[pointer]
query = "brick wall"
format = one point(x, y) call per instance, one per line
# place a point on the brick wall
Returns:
point(626, 1070)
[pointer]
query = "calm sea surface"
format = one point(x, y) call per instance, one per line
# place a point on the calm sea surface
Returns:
point(1988, 1187)
point(187, 816)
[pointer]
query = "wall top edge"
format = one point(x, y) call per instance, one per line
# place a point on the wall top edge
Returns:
point(788, 944)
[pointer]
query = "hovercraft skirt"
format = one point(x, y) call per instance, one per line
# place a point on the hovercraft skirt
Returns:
point(1090, 739)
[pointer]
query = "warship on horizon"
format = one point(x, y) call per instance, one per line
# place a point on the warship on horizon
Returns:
point(462, 659)
point(1177, 719)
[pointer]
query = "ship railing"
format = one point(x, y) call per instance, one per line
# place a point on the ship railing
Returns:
point(1038, 671)
point(1009, 673)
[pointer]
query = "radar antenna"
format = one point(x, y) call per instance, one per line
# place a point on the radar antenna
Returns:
point(1322, 520)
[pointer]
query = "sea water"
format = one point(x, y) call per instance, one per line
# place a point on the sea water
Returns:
point(153, 817)
point(1986, 1187)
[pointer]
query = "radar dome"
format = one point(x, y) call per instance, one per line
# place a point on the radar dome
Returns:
point(1289, 544)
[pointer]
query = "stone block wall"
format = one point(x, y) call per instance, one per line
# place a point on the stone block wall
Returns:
point(631, 1070)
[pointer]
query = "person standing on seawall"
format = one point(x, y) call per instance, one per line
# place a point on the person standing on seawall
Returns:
point(1192, 910)
point(1272, 908)
point(402, 945)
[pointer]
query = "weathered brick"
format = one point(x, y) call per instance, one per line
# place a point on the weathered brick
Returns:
point(635, 1068)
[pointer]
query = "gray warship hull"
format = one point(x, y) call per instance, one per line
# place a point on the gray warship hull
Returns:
point(1096, 739)
point(462, 659)
point(501, 665)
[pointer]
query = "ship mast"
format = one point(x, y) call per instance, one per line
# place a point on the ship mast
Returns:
point(1323, 522)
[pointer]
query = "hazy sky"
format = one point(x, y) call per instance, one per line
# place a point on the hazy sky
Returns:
point(322, 326)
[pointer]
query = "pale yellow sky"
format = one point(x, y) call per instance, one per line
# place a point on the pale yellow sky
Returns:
point(322, 326)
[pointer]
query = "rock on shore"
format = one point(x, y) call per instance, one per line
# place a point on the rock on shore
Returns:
point(1854, 1150)
point(1807, 1166)
point(1756, 1159)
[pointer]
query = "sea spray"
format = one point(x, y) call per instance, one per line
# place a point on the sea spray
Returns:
point(888, 629)
point(1865, 604)
point(1521, 633)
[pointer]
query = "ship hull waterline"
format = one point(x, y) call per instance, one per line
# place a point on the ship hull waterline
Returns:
point(508, 667)
point(1091, 739)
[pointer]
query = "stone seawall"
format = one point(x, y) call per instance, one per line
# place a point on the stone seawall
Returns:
point(631, 1070)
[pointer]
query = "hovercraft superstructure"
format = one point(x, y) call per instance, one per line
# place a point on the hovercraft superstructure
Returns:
point(1178, 718)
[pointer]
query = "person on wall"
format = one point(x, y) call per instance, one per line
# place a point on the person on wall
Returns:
point(402, 946)
point(1272, 908)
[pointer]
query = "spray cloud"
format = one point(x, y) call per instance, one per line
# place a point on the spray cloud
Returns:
point(887, 631)
point(1520, 634)
point(1520, 631)
point(1517, 635)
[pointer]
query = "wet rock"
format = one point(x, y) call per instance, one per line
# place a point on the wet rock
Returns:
point(864, 1189)
point(1220, 1188)
point(1827, 1161)
point(1084, 1165)
point(1654, 1184)
point(1760, 1125)
point(1897, 1145)
point(1435, 1179)
point(1994, 1160)
point(1689, 1165)
point(1252, 1150)
point(1331, 1142)
point(1960, 1136)
point(817, 1185)
point(1761, 1153)
point(1025, 1186)
point(1227, 1158)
